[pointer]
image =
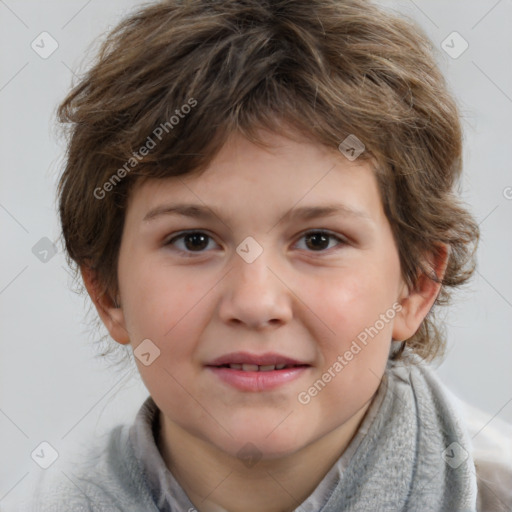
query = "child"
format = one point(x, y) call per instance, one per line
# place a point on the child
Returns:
point(212, 145)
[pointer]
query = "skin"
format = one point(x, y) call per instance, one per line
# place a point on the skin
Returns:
point(306, 300)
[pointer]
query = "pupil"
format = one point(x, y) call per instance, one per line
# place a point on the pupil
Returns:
point(196, 241)
point(315, 238)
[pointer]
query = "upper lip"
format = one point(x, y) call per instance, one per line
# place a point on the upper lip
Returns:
point(267, 358)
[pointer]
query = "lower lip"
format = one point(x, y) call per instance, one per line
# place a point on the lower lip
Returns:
point(258, 381)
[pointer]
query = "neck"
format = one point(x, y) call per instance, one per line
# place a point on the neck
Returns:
point(215, 481)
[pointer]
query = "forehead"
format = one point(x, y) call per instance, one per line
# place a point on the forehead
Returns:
point(244, 177)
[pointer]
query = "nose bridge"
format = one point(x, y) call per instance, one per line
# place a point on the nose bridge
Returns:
point(253, 276)
point(252, 293)
point(253, 258)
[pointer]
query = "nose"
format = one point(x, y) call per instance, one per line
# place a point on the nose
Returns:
point(255, 295)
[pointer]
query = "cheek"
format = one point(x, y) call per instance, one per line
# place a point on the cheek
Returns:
point(353, 357)
point(164, 305)
point(351, 302)
point(158, 299)
point(170, 307)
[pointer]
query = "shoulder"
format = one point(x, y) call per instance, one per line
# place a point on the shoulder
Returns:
point(491, 440)
point(107, 478)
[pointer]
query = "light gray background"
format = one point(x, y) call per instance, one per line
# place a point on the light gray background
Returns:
point(51, 386)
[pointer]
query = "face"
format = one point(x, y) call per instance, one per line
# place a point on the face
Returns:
point(271, 256)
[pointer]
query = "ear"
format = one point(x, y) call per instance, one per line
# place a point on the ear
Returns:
point(417, 303)
point(110, 312)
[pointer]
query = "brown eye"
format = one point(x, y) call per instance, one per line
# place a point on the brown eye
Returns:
point(192, 241)
point(319, 241)
point(196, 241)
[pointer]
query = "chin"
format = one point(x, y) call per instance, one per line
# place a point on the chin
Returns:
point(256, 441)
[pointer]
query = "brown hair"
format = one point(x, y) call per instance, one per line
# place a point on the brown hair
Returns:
point(325, 68)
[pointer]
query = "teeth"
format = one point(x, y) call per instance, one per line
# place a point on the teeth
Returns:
point(255, 368)
point(250, 367)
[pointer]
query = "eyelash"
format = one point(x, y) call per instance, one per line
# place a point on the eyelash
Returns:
point(188, 253)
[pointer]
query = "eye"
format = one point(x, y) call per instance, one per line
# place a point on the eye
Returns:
point(198, 241)
point(319, 240)
point(191, 241)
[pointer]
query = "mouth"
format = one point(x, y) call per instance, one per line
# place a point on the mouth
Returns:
point(246, 367)
point(256, 372)
point(248, 362)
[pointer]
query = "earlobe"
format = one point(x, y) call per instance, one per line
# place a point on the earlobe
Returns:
point(417, 302)
point(110, 311)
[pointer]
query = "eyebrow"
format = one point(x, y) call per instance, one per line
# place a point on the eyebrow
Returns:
point(304, 212)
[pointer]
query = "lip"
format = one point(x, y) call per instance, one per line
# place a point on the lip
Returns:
point(267, 358)
point(256, 380)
